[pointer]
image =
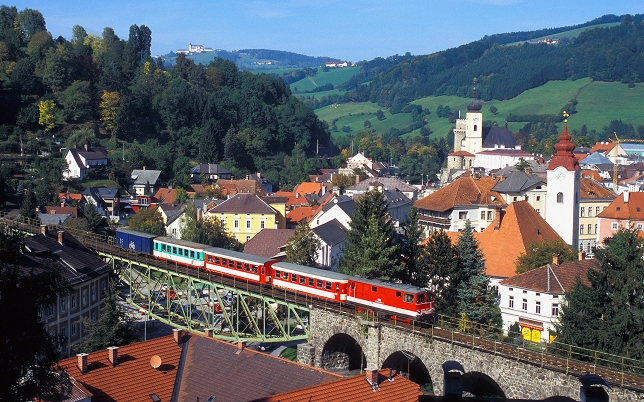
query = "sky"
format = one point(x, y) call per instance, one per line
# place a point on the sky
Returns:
point(351, 30)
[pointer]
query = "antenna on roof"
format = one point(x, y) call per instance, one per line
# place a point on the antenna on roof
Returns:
point(155, 362)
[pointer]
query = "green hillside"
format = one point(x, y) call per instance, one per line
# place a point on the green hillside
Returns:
point(335, 76)
point(573, 33)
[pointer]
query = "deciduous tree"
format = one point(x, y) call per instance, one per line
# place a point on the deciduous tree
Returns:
point(540, 253)
point(47, 109)
point(109, 107)
point(303, 246)
point(148, 220)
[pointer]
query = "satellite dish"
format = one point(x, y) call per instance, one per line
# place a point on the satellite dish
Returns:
point(155, 362)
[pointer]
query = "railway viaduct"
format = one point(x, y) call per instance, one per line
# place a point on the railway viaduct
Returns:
point(341, 341)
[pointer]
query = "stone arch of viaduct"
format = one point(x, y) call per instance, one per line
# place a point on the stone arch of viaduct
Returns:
point(378, 342)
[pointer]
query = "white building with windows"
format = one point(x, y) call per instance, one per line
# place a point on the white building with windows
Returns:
point(534, 299)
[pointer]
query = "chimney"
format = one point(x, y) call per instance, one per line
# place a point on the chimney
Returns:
point(582, 256)
point(82, 362)
point(208, 332)
point(43, 229)
point(555, 259)
point(357, 179)
point(527, 170)
point(60, 237)
point(297, 195)
point(86, 147)
point(178, 335)
point(199, 214)
point(494, 175)
point(113, 355)
point(625, 197)
point(497, 219)
point(143, 168)
point(241, 345)
point(372, 377)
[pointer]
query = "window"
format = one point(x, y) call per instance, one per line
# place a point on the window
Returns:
point(72, 329)
point(409, 298)
point(318, 283)
point(559, 197)
point(538, 210)
point(482, 215)
point(590, 211)
point(63, 304)
point(293, 278)
point(72, 301)
point(248, 224)
point(537, 307)
point(489, 215)
point(63, 332)
point(174, 231)
point(84, 297)
point(583, 211)
point(192, 254)
point(595, 228)
point(581, 229)
point(596, 210)
point(614, 226)
point(640, 226)
point(302, 279)
point(246, 267)
point(511, 302)
point(590, 228)
point(398, 294)
point(328, 285)
point(374, 289)
point(92, 288)
point(524, 305)
point(420, 298)
point(236, 224)
point(247, 238)
point(538, 198)
point(311, 282)
point(50, 310)
point(514, 198)
point(527, 198)
point(286, 276)
point(555, 309)
point(462, 215)
point(262, 224)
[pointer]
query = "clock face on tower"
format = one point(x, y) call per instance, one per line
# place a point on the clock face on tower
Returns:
point(475, 119)
point(560, 173)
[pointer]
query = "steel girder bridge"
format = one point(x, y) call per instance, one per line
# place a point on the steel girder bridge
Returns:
point(201, 301)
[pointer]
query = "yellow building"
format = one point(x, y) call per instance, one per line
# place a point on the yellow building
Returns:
point(245, 215)
point(594, 198)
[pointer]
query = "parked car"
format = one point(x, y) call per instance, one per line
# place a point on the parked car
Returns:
point(156, 295)
point(265, 347)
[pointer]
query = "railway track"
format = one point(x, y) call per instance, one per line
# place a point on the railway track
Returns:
point(620, 377)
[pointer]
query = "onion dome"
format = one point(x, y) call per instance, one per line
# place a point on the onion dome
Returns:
point(474, 105)
point(564, 155)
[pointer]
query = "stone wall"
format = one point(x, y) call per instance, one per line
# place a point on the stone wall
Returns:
point(516, 379)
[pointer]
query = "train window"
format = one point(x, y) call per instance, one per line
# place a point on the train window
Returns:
point(217, 260)
point(409, 298)
point(293, 277)
point(263, 270)
point(174, 250)
point(209, 258)
point(302, 279)
point(231, 263)
point(246, 267)
point(277, 274)
point(337, 287)
point(311, 281)
point(420, 298)
point(318, 283)
point(328, 285)
point(286, 276)
point(239, 265)
point(254, 268)
point(398, 294)
point(374, 288)
point(192, 254)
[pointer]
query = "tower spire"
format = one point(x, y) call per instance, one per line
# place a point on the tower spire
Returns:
point(564, 155)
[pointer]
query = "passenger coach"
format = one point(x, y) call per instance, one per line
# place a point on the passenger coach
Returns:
point(233, 263)
point(180, 251)
point(402, 300)
point(312, 281)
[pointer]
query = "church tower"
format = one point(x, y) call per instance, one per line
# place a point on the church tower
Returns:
point(562, 196)
point(474, 126)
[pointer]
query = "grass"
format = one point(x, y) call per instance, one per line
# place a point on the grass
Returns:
point(573, 33)
point(334, 76)
point(289, 353)
point(99, 183)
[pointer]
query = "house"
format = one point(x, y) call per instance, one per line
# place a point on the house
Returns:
point(144, 182)
point(84, 271)
point(81, 160)
point(172, 219)
point(211, 171)
point(593, 199)
point(331, 235)
point(166, 195)
point(106, 200)
point(467, 198)
point(310, 188)
point(625, 211)
point(398, 205)
point(534, 298)
point(500, 157)
point(53, 209)
point(340, 207)
point(518, 186)
point(263, 181)
point(269, 243)
point(295, 200)
point(241, 186)
point(244, 215)
point(388, 183)
point(297, 215)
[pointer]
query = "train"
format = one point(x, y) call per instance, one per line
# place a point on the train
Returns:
point(402, 302)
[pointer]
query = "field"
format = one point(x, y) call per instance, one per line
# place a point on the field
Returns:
point(334, 76)
point(573, 33)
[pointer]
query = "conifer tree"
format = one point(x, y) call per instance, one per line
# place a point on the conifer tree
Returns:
point(412, 250)
point(303, 247)
point(369, 248)
point(608, 314)
point(28, 206)
point(439, 265)
point(475, 297)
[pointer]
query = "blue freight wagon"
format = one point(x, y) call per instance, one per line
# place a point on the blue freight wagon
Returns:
point(140, 242)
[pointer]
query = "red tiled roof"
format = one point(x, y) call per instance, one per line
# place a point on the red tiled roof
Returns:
point(462, 191)
point(590, 189)
point(133, 379)
point(293, 199)
point(461, 153)
point(520, 226)
point(592, 174)
point(355, 389)
point(244, 203)
point(618, 209)
point(299, 214)
point(602, 147)
point(553, 278)
point(49, 209)
point(166, 195)
point(309, 188)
